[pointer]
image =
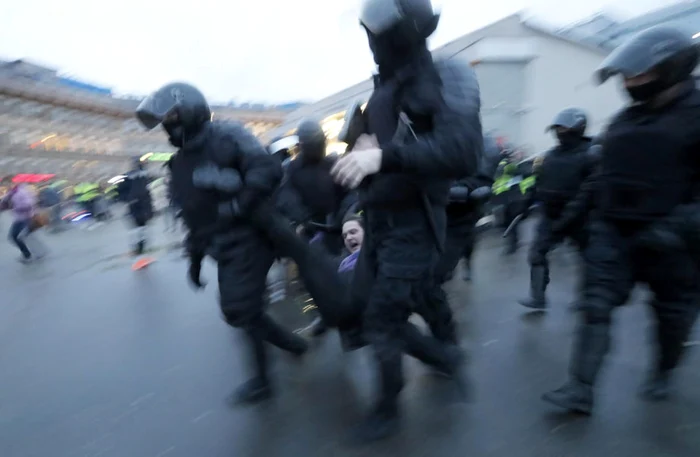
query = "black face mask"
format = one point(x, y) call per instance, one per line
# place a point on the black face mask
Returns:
point(313, 152)
point(568, 138)
point(645, 92)
point(176, 134)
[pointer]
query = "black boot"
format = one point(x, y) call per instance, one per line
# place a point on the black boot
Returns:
point(572, 396)
point(284, 339)
point(672, 331)
point(252, 391)
point(383, 422)
point(657, 387)
point(379, 425)
point(590, 348)
point(538, 285)
point(257, 388)
point(446, 360)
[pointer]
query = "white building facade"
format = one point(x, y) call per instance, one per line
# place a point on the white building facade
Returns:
point(526, 74)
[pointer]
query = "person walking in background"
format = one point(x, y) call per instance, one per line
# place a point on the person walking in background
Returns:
point(22, 203)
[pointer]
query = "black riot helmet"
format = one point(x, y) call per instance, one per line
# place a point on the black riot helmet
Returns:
point(312, 140)
point(180, 108)
point(667, 55)
point(569, 125)
point(395, 26)
point(283, 147)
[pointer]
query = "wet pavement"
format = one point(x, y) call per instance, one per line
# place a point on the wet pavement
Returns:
point(98, 360)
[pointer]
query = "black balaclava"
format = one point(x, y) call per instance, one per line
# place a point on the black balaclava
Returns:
point(390, 54)
point(568, 138)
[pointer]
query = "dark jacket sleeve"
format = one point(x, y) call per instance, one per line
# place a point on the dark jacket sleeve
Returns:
point(453, 148)
point(577, 209)
point(261, 172)
point(289, 202)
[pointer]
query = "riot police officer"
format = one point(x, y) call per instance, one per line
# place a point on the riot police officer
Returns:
point(208, 171)
point(133, 190)
point(467, 197)
point(559, 180)
point(417, 141)
point(648, 172)
point(465, 207)
point(308, 193)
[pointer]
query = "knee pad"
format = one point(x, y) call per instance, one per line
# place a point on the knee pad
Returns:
point(597, 312)
point(536, 258)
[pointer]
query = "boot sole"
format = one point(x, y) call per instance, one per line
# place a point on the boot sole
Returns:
point(572, 407)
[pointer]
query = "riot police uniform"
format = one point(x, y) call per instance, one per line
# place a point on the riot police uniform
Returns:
point(648, 172)
point(134, 191)
point(308, 195)
point(220, 174)
point(466, 200)
point(404, 203)
point(560, 188)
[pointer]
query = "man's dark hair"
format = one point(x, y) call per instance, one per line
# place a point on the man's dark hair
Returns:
point(353, 217)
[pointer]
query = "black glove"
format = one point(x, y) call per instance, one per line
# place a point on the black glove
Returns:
point(209, 176)
point(665, 234)
point(459, 194)
point(480, 194)
point(229, 210)
point(195, 270)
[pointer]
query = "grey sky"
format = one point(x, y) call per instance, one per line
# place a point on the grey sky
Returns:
point(246, 50)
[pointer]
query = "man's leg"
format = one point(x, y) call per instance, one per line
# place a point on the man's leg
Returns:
point(673, 278)
point(539, 266)
point(16, 230)
point(242, 288)
point(609, 280)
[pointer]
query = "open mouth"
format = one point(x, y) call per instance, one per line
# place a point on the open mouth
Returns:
point(353, 245)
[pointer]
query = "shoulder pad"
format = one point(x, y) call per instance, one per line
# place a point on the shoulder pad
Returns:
point(595, 151)
point(460, 88)
point(224, 141)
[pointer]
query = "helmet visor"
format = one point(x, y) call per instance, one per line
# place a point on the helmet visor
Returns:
point(379, 16)
point(637, 56)
point(155, 109)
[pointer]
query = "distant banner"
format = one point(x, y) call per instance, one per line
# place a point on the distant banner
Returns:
point(32, 178)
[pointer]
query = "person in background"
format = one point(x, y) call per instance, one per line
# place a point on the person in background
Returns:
point(50, 199)
point(22, 203)
point(512, 189)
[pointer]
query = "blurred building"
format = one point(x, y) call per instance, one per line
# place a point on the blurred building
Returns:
point(55, 125)
point(527, 74)
point(604, 31)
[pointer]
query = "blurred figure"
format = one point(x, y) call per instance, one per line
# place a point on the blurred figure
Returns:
point(50, 199)
point(308, 195)
point(422, 130)
point(644, 226)
point(511, 191)
point(465, 207)
point(134, 191)
point(222, 174)
point(22, 202)
point(561, 179)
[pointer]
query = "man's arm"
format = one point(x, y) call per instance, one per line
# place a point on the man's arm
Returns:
point(577, 208)
point(260, 171)
point(453, 147)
